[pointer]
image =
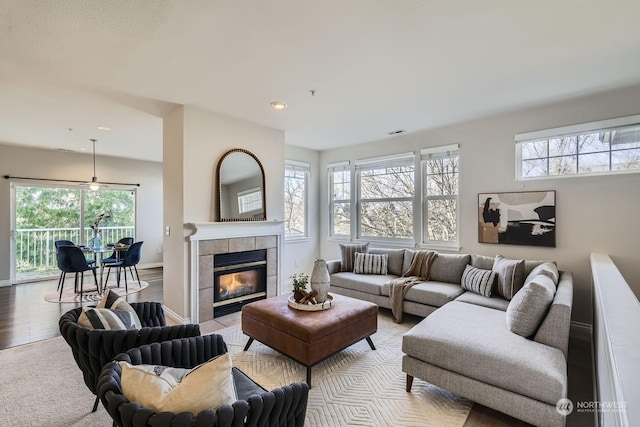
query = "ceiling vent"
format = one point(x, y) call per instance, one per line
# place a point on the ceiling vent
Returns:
point(397, 132)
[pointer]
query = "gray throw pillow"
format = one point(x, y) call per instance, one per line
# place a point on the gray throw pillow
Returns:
point(510, 275)
point(478, 280)
point(548, 269)
point(370, 263)
point(529, 306)
point(348, 254)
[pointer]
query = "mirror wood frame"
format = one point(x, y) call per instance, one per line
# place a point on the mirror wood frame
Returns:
point(219, 187)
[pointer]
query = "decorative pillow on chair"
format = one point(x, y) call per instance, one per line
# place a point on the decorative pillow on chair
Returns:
point(348, 254)
point(529, 306)
point(106, 318)
point(115, 302)
point(510, 274)
point(370, 263)
point(164, 389)
point(478, 280)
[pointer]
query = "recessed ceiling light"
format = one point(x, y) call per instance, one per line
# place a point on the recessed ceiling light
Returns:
point(278, 105)
point(103, 128)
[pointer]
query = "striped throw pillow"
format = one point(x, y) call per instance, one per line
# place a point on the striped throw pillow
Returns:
point(348, 254)
point(370, 263)
point(105, 318)
point(478, 280)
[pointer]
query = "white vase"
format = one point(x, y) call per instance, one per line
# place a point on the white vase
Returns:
point(320, 281)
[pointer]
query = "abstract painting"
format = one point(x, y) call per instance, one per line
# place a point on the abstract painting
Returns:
point(519, 218)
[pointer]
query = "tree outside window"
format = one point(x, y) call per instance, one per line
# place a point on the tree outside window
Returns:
point(340, 200)
point(296, 175)
point(440, 170)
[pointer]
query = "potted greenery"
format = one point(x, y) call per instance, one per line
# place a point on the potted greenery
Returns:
point(300, 282)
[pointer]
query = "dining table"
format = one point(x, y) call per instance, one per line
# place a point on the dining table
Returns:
point(98, 257)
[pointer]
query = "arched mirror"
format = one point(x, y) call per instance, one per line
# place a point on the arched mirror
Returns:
point(240, 189)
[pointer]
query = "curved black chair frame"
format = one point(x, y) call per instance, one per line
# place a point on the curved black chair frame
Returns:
point(255, 407)
point(94, 348)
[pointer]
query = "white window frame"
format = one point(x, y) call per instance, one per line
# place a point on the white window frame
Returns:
point(402, 159)
point(332, 168)
point(245, 193)
point(303, 167)
point(602, 126)
point(447, 151)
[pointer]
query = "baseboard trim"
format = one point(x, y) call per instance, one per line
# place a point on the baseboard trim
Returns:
point(149, 265)
point(174, 318)
point(5, 283)
point(580, 331)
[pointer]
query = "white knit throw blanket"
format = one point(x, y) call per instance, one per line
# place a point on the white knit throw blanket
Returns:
point(418, 271)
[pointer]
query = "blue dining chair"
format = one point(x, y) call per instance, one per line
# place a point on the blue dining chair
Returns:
point(130, 259)
point(71, 260)
point(115, 256)
point(57, 244)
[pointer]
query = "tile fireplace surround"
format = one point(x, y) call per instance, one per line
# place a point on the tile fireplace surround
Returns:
point(212, 238)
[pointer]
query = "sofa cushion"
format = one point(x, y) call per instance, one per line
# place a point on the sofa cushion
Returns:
point(510, 275)
point(529, 305)
point(395, 259)
point(406, 261)
point(448, 267)
point(431, 293)
point(474, 341)
point(370, 263)
point(546, 268)
point(478, 280)
point(348, 254)
point(482, 261)
point(495, 301)
point(369, 283)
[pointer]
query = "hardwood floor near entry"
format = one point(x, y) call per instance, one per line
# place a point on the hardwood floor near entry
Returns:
point(26, 317)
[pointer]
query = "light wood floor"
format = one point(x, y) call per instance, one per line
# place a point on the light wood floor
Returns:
point(26, 317)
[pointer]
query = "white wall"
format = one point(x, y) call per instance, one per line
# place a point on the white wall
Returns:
point(594, 214)
point(299, 255)
point(40, 163)
point(194, 142)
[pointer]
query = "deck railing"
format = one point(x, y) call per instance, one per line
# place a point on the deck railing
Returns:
point(36, 251)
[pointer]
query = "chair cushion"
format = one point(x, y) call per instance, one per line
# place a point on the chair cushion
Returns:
point(115, 302)
point(370, 263)
point(450, 338)
point(510, 275)
point(348, 253)
point(478, 280)
point(529, 305)
point(207, 386)
point(106, 318)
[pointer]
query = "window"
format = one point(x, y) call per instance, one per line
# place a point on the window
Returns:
point(339, 199)
point(296, 177)
point(250, 200)
point(605, 147)
point(385, 197)
point(440, 189)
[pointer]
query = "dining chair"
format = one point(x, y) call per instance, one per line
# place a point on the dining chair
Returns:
point(130, 259)
point(71, 259)
point(115, 256)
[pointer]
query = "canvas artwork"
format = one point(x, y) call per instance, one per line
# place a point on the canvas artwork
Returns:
point(519, 218)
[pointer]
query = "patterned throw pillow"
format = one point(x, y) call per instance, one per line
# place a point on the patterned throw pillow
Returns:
point(510, 275)
point(478, 280)
point(115, 302)
point(370, 263)
point(348, 254)
point(105, 318)
point(164, 389)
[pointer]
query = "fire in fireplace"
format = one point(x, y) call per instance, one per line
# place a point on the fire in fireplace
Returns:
point(239, 278)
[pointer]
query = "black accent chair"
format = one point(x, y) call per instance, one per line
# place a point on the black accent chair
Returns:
point(94, 348)
point(255, 407)
point(114, 257)
point(71, 259)
point(131, 259)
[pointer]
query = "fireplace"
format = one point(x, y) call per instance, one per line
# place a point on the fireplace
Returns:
point(238, 279)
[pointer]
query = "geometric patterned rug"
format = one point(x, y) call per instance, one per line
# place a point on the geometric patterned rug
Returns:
point(90, 293)
point(356, 387)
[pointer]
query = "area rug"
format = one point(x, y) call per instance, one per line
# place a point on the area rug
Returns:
point(356, 387)
point(90, 293)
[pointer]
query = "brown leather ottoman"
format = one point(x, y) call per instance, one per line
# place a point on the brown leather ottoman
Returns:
point(309, 337)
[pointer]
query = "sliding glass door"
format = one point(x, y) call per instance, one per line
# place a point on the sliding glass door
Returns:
point(44, 214)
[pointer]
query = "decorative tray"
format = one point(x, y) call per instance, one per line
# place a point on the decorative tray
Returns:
point(312, 307)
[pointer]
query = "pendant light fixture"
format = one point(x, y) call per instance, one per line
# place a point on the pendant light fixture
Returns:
point(94, 185)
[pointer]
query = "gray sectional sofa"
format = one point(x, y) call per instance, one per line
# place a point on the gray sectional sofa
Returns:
point(473, 345)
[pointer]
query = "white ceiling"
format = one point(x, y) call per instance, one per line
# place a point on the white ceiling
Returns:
point(376, 65)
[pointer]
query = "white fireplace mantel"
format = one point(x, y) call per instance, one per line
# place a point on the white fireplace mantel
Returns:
point(229, 230)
